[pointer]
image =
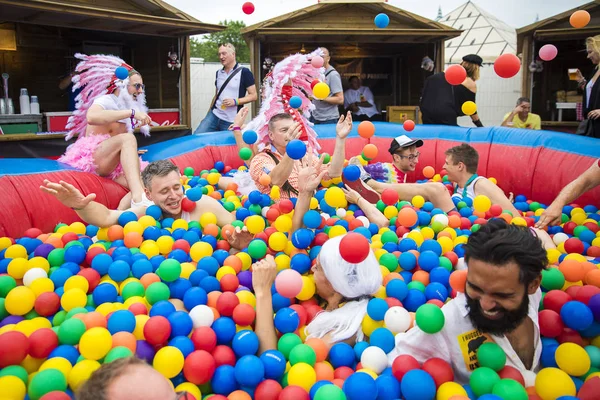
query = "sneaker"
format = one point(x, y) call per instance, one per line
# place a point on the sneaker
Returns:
point(363, 189)
point(364, 175)
point(144, 203)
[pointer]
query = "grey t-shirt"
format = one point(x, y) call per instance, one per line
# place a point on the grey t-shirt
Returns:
point(325, 111)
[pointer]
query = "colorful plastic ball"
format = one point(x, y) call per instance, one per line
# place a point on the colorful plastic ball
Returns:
point(168, 361)
point(121, 321)
point(18, 344)
point(20, 300)
point(245, 153)
point(397, 319)
point(351, 173)
point(249, 371)
point(302, 375)
point(321, 90)
point(250, 137)
point(417, 384)
point(507, 65)
point(201, 315)
point(295, 149)
point(247, 8)
point(408, 125)
point(288, 283)
point(295, 102)
point(341, 354)
point(95, 343)
point(42, 342)
point(548, 52)
point(46, 381)
point(573, 359)
point(287, 320)
point(430, 318)
point(316, 62)
point(199, 367)
point(552, 383)
point(327, 391)
point(492, 356)
point(223, 381)
point(579, 19)
point(354, 248)
point(244, 343)
point(293, 392)
point(448, 390)
point(576, 315)
point(509, 389)
point(482, 380)
point(366, 129)
point(157, 330)
point(469, 108)
point(121, 73)
point(375, 359)
point(382, 20)
point(455, 74)
point(274, 363)
point(377, 309)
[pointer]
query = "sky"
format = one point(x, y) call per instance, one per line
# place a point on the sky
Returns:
point(516, 13)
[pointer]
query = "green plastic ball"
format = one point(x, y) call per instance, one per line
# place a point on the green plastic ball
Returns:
point(594, 353)
point(70, 331)
point(475, 228)
point(156, 292)
point(552, 279)
point(56, 257)
point(3, 312)
point(389, 237)
point(75, 311)
point(7, 283)
point(461, 205)
point(330, 392)
point(229, 206)
point(133, 289)
point(534, 205)
point(416, 285)
point(509, 389)
point(15, 370)
point(188, 171)
point(237, 224)
point(245, 153)
point(326, 158)
point(390, 261)
point(303, 353)
point(482, 381)
point(492, 356)
point(169, 270)
point(116, 353)
point(194, 224)
point(73, 243)
point(257, 249)
point(445, 263)
point(58, 318)
point(287, 342)
point(380, 205)
point(430, 318)
point(48, 380)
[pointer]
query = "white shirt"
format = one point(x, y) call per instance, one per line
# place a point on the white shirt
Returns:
point(111, 102)
point(231, 91)
point(470, 193)
point(458, 341)
point(354, 96)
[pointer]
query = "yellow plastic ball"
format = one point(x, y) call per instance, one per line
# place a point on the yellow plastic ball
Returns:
point(133, 226)
point(207, 219)
point(449, 389)
point(106, 308)
point(246, 297)
point(283, 223)
point(59, 363)
point(469, 108)
point(278, 241)
point(187, 269)
point(446, 243)
point(416, 236)
point(303, 375)
point(38, 262)
point(180, 224)
point(165, 244)
point(282, 261)
point(481, 203)
point(551, 383)
point(390, 212)
point(19, 301)
point(337, 230)
point(189, 388)
point(77, 281)
point(519, 221)
point(81, 372)
point(102, 234)
point(334, 197)
point(321, 90)
point(573, 359)
point(147, 221)
point(578, 218)
point(246, 260)
point(369, 325)
point(200, 250)
point(553, 256)
point(4, 243)
point(17, 267)
point(12, 388)
point(380, 293)
point(369, 372)
point(95, 343)
point(213, 178)
point(221, 272)
point(255, 224)
point(42, 285)
point(308, 289)
point(16, 251)
point(140, 322)
point(314, 203)
point(77, 227)
point(168, 361)
point(73, 298)
point(493, 180)
point(418, 201)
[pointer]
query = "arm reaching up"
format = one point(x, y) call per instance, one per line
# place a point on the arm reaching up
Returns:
point(309, 179)
point(263, 276)
point(342, 130)
point(371, 212)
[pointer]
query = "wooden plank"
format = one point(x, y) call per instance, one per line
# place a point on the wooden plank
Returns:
point(526, 60)
point(184, 85)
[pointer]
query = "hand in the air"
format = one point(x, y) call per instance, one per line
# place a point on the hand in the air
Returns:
point(344, 126)
point(352, 195)
point(238, 239)
point(67, 194)
point(309, 175)
point(263, 274)
point(240, 117)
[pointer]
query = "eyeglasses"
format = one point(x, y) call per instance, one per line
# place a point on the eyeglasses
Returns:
point(411, 157)
point(182, 396)
point(138, 86)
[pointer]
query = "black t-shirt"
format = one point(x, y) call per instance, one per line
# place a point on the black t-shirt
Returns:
point(441, 102)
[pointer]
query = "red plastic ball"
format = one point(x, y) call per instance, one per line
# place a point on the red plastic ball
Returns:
point(555, 299)
point(574, 245)
point(244, 314)
point(551, 324)
point(248, 8)
point(199, 367)
point(342, 373)
point(229, 283)
point(509, 372)
point(572, 291)
point(293, 393)
point(204, 338)
point(507, 65)
point(92, 276)
point(32, 233)
point(42, 342)
point(496, 210)
point(455, 74)
point(138, 309)
point(226, 303)
point(268, 389)
point(14, 347)
point(592, 226)
point(569, 227)
point(312, 312)
point(590, 389)
point(47, 304)
point(188, 205)
point(593, 251)
point(389, 197)
point(570, 335)
point(314, 82)
point(223, 355)
point(354, 248)
point(402, 364)
point(320, 238)
point(585, 293)
point(272, 214)
point(286, 206)
point(93, 253)
point(393, 302)
point(450, 255)
point(55, 396)
point(69, 237)
point(408, 125)
point(157, 330)
point(182, 244)
point(437, 302)
point(302, 313)
point(440, 371)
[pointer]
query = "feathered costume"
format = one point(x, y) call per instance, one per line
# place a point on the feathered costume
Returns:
point(96, 77)
point(298, 69)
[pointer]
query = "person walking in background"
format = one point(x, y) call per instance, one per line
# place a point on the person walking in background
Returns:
point(326, 110)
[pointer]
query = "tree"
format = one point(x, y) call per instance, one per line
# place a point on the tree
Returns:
point(208, 46)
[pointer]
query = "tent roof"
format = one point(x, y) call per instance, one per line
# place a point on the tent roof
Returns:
point(483, 34)
point(350, 21)
point(145, 17)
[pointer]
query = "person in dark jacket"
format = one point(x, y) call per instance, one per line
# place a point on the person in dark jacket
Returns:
point(591, 91)
point(441, 102)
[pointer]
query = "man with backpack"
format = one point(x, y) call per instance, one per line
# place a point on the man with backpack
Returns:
point(326, 111)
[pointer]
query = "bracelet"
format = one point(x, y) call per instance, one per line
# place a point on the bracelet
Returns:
point(237, 128)
point(236, 101)
point(132, 119)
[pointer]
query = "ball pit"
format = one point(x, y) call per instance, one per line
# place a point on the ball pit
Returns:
point(188, 308)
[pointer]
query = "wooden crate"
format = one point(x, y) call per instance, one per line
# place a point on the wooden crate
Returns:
point(399, 114)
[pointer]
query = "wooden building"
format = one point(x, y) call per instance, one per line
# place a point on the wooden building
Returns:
point(554, 96)
point(38, 40)
point(388, 60)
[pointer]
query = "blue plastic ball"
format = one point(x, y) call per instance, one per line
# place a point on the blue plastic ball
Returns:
point(414, 299)
point(302, 238)
point(181, 323)
point(351, 173)
point(397, 289)
point(437, 291)
point(183, 343)
point(250, 137)
point(121, 321)
point(377, 308)
point(127, 216)
point(428, 260)
point(225, 330)
point(295, 149)
point(287, 320)
point(312, 219)
point(67, 352)
point(121, 73)
point(407, 260)
point(382, 338)
point(224, 380)
point(104, 293)
point(295, 102)
point(249, 371)
point(194, 296)
point(382, 20)
point(194, 194)
point(359, 348)
point(244, 343)
point(119, 271)
point(101, 263)
point(576, 315)
point(360, 386)
point(60, 276)
point(76, 254)
point(274, 363)
point(301, 263)
point(163, 308)
point(388, 387)
point(341, 355)
point(417, 384)
point(141, 268)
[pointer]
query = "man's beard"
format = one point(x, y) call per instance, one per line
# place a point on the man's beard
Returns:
point(508, 322)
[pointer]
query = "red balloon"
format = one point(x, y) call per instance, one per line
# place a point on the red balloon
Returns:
point(14, 347)
point(268, 389)
point(440, 371)
point(551, 325)
point(244, 314)
point(226, 303)
point(509, 372)
point(204, 338)
point(199, 367)
point(157, 330)
point(402, 364)
point(585, 293)
point(223, 355)
point(248, 8)
point(555, 299)
point(293, 393)
point(507, 65)
point(47, 304)
point(389, 197)
point(455, 74)
point(42, 342)
point(574, 245)
point(409, 125)
point(354, 248)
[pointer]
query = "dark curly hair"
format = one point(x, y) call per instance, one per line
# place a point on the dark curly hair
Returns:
point(499, 243)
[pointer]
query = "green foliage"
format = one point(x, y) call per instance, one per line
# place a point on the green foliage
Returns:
point(208, 46)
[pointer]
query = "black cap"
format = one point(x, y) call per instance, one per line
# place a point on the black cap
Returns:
point(402, 142)
point(473, 59)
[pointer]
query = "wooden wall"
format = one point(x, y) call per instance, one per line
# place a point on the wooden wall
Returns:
point(45, 54)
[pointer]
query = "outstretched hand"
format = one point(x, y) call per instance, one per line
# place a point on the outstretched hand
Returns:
point(67, 194)
point(344, 126)
point(551, 216)
point(240, 117)
point(309, 175)
point(238, 239)
point(352, 195)
point(263, 274)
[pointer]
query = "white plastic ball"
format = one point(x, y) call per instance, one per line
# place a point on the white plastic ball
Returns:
point(374, 359)
point(397, 319)
point(440, 218)
point(32, 275)
point(364, 220)
point(340, 212)
point(264, 211)
point(202, 315)
point(559, 238)
point(326, 216)
point(461, 264)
